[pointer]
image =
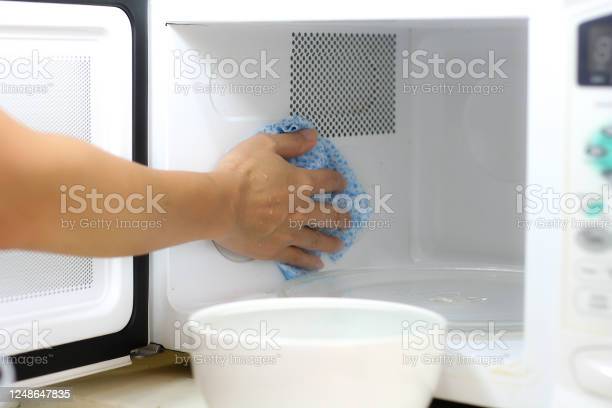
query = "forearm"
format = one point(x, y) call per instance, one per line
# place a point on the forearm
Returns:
point(46, 172)
point(58, 194)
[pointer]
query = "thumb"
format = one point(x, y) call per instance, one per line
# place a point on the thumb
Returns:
point(296, 143)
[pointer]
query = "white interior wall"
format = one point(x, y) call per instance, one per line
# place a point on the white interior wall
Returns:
point(451, 165)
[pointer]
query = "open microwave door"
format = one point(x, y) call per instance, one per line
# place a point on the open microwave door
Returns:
point(72, 69)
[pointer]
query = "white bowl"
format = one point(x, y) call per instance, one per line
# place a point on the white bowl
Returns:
point(316, 352)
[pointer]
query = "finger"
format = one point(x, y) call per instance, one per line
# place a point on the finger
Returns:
point(294, 144)
point(324, 179)
point(325, 216)
point(297, 257)
point(310, 239)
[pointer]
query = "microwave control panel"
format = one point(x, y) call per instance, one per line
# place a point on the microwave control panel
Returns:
point(587, 203)
point(587, 275)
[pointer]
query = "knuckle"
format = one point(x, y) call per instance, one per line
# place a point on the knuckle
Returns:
point(266, 139)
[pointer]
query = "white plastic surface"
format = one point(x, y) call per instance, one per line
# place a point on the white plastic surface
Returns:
point(584, 330)
point(593, 371)
point(452, 180)
point(88, 97)
point(467, 298)
point(525, 378)
point(277, 10)
point(322, 353)
point(450, 166)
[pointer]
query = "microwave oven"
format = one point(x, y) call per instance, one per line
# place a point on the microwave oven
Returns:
point(459, 110)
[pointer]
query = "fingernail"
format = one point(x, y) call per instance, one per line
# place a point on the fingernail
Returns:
point(319, 264)
point(309, 135)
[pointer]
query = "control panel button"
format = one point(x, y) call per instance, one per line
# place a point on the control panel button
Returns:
point(590, 271)
point(599, 150)
point(594, 208)
point(594, 302)
point(594, 240)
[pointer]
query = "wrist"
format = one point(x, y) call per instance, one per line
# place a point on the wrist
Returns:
point(225, 187)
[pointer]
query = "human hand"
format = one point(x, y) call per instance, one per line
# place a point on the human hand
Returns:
point(261, 224)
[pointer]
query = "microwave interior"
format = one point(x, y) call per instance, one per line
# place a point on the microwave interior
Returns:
point(451, 160)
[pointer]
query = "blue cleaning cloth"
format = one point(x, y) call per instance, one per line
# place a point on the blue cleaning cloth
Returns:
point(325, 155)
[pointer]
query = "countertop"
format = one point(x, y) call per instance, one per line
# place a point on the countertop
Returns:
point(152, 382)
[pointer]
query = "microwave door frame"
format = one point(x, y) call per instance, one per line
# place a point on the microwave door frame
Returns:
point(136, 333)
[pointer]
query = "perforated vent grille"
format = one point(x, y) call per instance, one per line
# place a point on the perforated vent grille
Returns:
point(32, 274)
point(59, 104)
point(344, 82)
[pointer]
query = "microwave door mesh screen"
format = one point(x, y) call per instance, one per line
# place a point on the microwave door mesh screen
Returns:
point(60, 103)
